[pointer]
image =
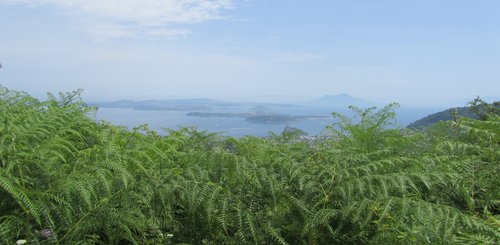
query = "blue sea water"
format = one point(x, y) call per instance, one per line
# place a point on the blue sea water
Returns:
point(234, 126)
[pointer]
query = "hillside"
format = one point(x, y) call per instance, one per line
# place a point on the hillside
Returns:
point(68, 179)
point(447, 115)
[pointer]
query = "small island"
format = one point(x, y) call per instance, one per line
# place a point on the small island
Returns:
point(272, 119)
point(263, 118)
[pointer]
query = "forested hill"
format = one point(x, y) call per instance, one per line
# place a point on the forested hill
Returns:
point(445, 115)
point(448, 115)
point(67, 179)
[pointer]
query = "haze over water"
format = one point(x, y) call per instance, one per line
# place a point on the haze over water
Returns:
point(423, 54)
point(236, 127)
point(418, 53)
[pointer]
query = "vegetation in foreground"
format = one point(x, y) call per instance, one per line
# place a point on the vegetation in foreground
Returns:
point(67, 179)
point(474, 112)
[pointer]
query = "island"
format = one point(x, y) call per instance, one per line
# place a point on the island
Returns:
point(258, 117)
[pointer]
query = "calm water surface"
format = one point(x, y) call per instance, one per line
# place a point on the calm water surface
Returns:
point(236, 127)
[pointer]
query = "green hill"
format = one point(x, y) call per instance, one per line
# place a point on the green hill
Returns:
point(448, 115)
point(445, 115)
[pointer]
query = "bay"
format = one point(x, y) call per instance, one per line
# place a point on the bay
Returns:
point(159, 120)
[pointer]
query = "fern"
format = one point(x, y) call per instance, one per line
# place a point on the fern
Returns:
point(88, 182)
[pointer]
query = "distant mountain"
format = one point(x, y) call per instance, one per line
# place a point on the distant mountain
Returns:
point(338, 101)
point(444, 116)
point(181, 104)
point(187, 105)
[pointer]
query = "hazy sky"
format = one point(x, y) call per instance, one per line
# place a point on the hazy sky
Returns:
point(411, 51)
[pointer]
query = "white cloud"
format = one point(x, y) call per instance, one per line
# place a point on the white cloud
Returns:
point(135, 18)
point(117, 31)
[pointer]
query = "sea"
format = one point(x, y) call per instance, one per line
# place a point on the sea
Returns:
point(160, 120)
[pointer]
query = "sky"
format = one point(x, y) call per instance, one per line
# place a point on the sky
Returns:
point(416, 52)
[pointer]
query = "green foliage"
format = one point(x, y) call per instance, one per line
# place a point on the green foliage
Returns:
point(67, 179)
point(476, 109)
